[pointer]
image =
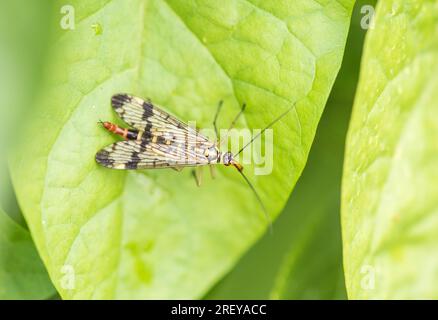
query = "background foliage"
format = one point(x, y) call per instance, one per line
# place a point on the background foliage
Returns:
point(390, 194)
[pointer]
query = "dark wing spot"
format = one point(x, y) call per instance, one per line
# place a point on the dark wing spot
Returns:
point(133, 162)
point(161, 140)
point(148, 128)
point(118, 100)
point(143, 145)
point(147, 110)
point(103, 158)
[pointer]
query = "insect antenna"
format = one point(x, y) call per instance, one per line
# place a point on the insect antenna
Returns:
point(246, 178)
point(268, 126)
point(268, 218)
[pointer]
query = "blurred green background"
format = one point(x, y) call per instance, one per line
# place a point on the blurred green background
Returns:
point(302, 259)
point(24, 36)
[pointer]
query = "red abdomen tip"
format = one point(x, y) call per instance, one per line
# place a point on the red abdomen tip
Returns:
point(110, 126)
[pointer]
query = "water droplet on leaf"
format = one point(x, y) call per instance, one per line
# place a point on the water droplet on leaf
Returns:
point(97, 27)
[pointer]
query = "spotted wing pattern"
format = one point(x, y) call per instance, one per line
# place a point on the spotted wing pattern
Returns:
point(165, 142)
point(153, 121)
point(133, 154)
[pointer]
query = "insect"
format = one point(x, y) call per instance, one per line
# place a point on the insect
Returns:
point(157, 139)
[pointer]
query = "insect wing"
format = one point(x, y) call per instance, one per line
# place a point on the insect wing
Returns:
point(134, 154)
point(145, 116)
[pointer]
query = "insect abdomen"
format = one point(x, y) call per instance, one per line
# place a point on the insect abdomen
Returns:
point(127, 134)
point(132, 135)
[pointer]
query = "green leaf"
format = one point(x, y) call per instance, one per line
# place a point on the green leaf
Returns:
point(302, 259)
point(390, 193)
point(154, 234)
point(22, 274)
point(23, 41)
point(21, 61)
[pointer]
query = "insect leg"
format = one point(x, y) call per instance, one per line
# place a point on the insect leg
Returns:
point(197, 173)
point(233, 123)
point(213, 171)
point(179, 169)
point(219, 106)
